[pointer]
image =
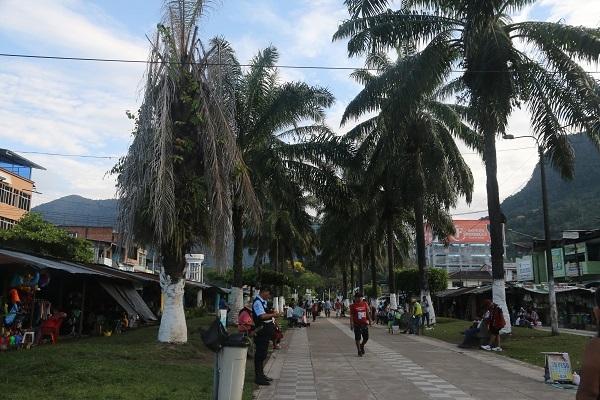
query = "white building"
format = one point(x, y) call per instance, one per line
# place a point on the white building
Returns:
point(195, 271)
point(467, 250)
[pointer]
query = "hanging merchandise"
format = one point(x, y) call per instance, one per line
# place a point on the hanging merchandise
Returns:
point(44, 279)
point(13, 294)
point(16, 281)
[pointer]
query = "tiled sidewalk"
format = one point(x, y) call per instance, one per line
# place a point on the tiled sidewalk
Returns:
point(293, 372)
point(321, 363)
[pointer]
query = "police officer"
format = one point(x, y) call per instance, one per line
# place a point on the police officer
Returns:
point(265, 328)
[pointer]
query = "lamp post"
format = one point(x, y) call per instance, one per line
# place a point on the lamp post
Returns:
point(547, 241)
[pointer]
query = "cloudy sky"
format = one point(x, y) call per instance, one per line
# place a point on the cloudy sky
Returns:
point(70, 107)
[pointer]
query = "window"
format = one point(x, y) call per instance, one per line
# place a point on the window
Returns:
point(6, 194)
point(6, 223)
point(132, 252)
point(24, 201)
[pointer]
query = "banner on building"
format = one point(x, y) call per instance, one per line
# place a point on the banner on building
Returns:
point(524, 269)
point(467, 231)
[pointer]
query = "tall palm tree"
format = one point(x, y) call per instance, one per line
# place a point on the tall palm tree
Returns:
point(174, 184)
point(495, 77)
point(419, 142)
point(285, 144)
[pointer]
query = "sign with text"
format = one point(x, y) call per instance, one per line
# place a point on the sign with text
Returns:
point(524, 269)
point(558, 367)
point(467, 231)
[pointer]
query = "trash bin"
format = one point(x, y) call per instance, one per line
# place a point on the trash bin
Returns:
point(232, 367)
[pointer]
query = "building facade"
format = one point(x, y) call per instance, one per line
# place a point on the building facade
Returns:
point(16, 187)
point(108, 250)
point(467, 250)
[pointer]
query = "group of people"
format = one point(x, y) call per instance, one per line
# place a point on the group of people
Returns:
point(414, 316)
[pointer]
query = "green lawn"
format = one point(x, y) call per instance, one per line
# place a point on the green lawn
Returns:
point(524, 344)
point(130, 366)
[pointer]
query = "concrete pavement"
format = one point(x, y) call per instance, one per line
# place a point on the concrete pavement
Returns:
point(320, 362)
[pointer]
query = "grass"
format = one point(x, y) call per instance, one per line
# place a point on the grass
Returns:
point(124, 367)
point(524, 344)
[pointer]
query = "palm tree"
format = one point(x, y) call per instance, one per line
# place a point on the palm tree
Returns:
point(285, 144)
point(496, 76)
point(419, 142)
point(174, 184)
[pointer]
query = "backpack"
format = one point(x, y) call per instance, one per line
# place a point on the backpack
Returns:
point(497, 318)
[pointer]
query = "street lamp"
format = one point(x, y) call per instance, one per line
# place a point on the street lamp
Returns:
point(547, 241)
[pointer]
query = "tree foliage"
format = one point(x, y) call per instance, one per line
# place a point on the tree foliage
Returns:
point(34, 234)
point(407, 280)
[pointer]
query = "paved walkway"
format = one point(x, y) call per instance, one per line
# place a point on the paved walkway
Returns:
point(321, 363)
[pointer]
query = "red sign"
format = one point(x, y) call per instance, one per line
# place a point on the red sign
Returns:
point(471, 231)
point(467, 231)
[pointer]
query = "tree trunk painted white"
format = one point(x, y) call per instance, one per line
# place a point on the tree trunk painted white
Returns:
point(236, 303)
point(499, 297)
point(173, 328)
point(393, 302)
point(431, 309)
point(281, 304)
point(276, 303)
point(199, 298)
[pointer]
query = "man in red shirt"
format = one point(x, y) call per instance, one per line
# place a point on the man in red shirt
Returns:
point(360, 319)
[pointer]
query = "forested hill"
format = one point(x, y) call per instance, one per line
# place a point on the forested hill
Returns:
point(75, 210)
point(573, 204)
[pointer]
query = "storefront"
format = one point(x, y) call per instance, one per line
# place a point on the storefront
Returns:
point(43, 298)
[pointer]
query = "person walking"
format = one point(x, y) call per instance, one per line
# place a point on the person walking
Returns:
point(327, 308)
point(263, 333)
point(338, 308)
point(589, 387)
point(360, 319)
point(495, 322)
point(315, 311)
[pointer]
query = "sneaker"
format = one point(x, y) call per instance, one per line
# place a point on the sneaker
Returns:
point(362, 348)
point(360, 353)
point(486, 347)
point(497, 349)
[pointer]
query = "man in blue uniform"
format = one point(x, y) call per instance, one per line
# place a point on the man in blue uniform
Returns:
point(265, 328)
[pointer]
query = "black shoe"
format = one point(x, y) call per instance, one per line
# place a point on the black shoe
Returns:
point(362, 348)
point(262, 381)
point(267, 378)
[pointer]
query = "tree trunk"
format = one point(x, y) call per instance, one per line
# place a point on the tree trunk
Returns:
point(344, 283)
point(421, 258)
point(236, 299)
point(361, 282)
point(373, 270)
point(496, 225)
point(548, 243)
point(173, 328)
point(390, 256)
point(352, 281)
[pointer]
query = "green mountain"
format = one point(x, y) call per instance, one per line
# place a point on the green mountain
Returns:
point(75, 210)
point(573, 204)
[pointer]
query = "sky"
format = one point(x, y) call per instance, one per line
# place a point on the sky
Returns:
point(69, 107)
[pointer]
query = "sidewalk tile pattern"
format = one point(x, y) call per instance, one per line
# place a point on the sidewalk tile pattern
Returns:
point(429, 383)
point(297, 381)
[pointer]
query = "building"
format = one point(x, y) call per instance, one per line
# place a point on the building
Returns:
point(108, 250)
point(16, 187)
point(195, 270)
point(467, 250)
point(575, 258)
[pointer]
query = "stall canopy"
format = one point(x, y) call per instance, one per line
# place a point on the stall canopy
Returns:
point(9, 256)
point(129, 299)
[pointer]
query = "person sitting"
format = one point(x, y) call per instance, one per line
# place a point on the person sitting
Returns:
point(533, 318)
point(292, 321)
point(299, 316)
point(245, 320)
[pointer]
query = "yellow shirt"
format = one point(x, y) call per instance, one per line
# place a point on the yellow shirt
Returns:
point(418, 310)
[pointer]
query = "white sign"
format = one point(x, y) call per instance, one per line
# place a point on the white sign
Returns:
point(524, 269)
point(570, 235)
point(573, 269)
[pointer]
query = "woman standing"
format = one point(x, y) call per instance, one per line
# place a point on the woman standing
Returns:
point(589, 389)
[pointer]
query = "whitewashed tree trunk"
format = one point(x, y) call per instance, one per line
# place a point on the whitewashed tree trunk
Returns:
point(281, 304)
point(393, 302)
point(236, 303)
point(276, 303)
point(173, 328)
point(499, 297)
point(427, 295)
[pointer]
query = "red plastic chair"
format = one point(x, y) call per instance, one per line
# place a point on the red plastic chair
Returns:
point(51, 327)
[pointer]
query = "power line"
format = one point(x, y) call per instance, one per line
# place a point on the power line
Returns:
point(65, 155)
point(283, 66)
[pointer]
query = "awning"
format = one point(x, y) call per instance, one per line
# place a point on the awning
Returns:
point(454, 292)
point(129, 299)
point(9, 256)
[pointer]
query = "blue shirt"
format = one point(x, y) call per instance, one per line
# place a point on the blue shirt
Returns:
point(259, 306)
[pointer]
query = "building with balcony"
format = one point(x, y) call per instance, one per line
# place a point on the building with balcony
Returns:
point(16, 187)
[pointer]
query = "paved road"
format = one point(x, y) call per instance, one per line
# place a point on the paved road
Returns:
point(321, 363)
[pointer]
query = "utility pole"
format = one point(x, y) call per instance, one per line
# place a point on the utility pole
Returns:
point(547, 240)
